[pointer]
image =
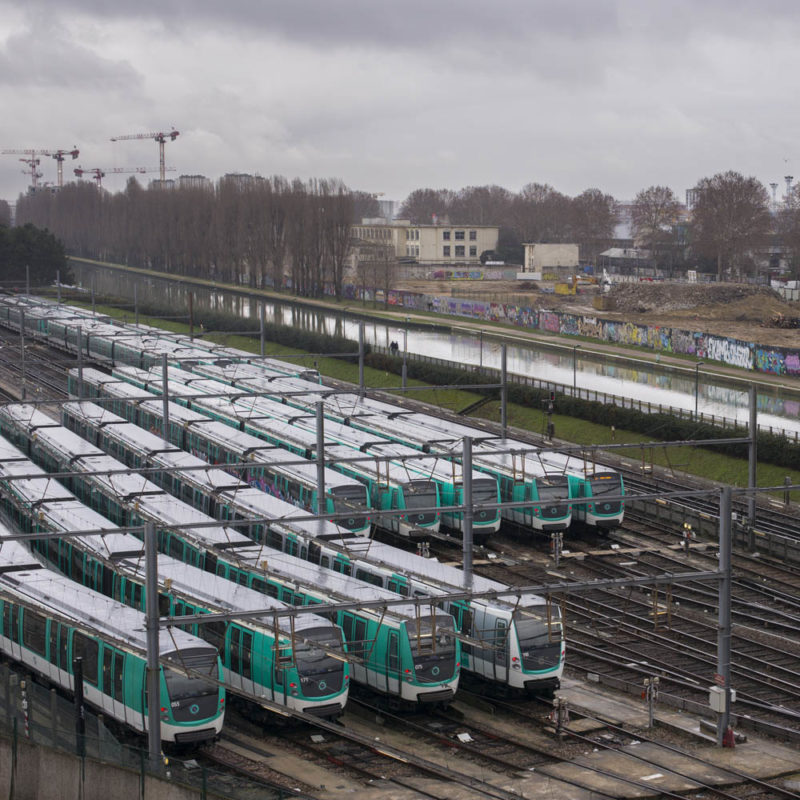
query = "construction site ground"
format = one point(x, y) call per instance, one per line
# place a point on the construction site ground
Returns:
point(750, 313)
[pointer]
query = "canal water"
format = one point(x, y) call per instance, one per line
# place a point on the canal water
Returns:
point(688, 388)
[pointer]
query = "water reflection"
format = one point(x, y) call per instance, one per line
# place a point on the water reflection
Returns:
point(569, 366)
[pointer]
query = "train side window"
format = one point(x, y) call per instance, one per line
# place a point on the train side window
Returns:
point(34, 632)
point(63, 647)
point(164, 604)
point(247, 654)
point(108, 671)
point(360, 633)
point(87, 649)
point(54, 632)
point(213, 633)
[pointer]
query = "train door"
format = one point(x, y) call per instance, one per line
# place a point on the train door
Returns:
point(500, 650)
point(393, 664)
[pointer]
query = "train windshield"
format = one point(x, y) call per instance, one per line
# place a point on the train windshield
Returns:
point(421, 495)
point(552, 491)
point(351, 500)
point(605, 484)
point(539, 639)
point(484, 490)
point(194, 695)
point(433, 648)
point(320, 661)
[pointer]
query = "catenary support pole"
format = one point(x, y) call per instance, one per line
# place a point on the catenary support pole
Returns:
point(361, 359)
point(503, 392)
point(752, 456)
point(79, 348)
point(466, 522)
point(93, 308)
point(27, 280)
point(22, 350)
point(151, 627)
point(58, 286)
point(165, 395)
point(320, 459)
point(191, 316)
point(136, 303)
point(724, 631)
point(80, 711)
point(262, 331)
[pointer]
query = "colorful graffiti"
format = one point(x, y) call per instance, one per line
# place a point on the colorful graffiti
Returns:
point(732, 352)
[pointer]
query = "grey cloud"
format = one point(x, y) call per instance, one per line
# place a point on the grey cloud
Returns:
point(33, 58)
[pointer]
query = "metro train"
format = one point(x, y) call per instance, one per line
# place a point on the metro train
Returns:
point(522, 638)
point(523, 472)
point(419, 647)
point(49, 620)
point(112, 341)
point(305, 678)
point(261, 417)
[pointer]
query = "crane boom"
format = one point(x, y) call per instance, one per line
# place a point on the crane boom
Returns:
point(159, 136)
point(58, 155)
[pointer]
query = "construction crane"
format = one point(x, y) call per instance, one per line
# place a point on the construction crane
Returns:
point(98, 173)
point(159, 137)
point(58, 155)
point(32, 170)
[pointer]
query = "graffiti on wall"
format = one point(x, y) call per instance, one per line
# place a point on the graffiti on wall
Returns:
point(732, 352)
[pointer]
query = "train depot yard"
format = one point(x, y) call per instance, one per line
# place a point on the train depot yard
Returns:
point(573, 652)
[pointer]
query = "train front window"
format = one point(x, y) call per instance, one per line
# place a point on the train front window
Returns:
point(201, 663)
point(350, 500)
point(484, 490)
point(539, 641)
point(320, 661)
point(553, 490)
point(605, 483)
point(420, 494)
point(433, 648)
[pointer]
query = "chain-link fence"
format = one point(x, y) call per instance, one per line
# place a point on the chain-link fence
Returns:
point(43, 716)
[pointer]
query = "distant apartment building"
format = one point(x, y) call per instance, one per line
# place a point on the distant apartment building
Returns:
point(424, 244)
point(194, 182)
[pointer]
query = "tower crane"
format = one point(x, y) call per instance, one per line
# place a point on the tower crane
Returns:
point(58, 155)
point(98, 173)
point(32, 170)
point(160, 137)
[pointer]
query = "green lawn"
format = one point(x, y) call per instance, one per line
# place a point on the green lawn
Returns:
point(693, 460)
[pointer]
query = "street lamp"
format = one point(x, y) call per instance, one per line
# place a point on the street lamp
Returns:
point(696, 385)
point(405, 348)
point(481, 348)
point(575, 348)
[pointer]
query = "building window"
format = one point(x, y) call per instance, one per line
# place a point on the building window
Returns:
point(446, 235)
point(459, 236)
point(473, 251)
point(459, 249)
point(416, 235)
point(446, 250)
point(473, 236)
point(416, 251)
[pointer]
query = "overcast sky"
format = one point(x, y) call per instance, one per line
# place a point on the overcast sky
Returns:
point(389, 97)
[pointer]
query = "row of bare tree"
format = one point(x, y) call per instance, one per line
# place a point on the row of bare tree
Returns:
point(276, 232)
point(260, 230)
point(730, 225)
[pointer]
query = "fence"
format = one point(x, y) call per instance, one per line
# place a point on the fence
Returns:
point(33, 714)
point(594, 396)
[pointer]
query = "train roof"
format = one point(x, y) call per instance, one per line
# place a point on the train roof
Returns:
point(60, 597)
point(126, 552)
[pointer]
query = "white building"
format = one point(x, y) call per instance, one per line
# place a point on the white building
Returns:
point(426, 244)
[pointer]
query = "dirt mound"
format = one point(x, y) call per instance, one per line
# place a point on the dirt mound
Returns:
point(668, 298)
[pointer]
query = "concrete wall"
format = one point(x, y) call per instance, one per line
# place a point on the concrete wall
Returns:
point(44, 774)
point(540, 257)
